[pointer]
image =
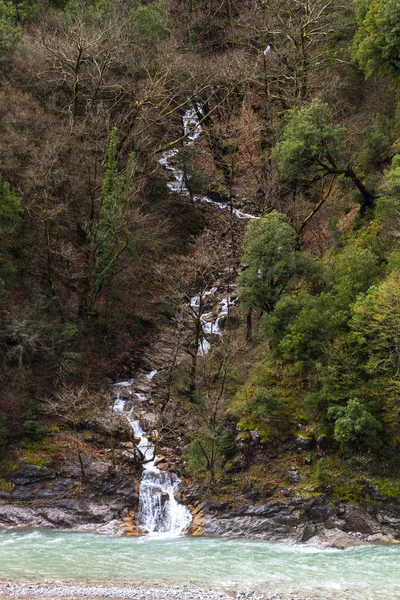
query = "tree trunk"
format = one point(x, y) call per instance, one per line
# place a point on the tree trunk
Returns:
point(368, 200)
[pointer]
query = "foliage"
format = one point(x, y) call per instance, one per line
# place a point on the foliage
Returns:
point(9, 30)
point(10, 220)
point(312, 147)
point(150, 23)
point(274, 266)
point(377, 40)
point(354, 424)
point(376, 144)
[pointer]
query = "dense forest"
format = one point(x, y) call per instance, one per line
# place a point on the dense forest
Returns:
point(298, 107)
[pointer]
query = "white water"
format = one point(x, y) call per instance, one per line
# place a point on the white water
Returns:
point(192, 131)
point(159, 511)
point(210, 321)
point(369, 573)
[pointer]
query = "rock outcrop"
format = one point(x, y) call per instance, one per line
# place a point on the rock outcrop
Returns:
point(42, 497)
point(303, 520)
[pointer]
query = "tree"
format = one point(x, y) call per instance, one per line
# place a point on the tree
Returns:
point(355, 424)
point(313, 147)
point(377, 41)
point(9, 30)
point(10, 219)
point(108, 234)
point(274, 266)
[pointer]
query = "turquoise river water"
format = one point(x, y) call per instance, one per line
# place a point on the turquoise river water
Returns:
point(365, 573)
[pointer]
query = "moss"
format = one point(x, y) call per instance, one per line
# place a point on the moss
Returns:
point(5, 486)
point(37, 452)
point(390, 488)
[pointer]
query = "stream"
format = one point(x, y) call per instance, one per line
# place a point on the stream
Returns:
point(366, 573)
point(159, 511)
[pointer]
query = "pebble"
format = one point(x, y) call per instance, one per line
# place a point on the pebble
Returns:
point(62, 590)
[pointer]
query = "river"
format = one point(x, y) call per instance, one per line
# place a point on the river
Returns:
point(364, 573)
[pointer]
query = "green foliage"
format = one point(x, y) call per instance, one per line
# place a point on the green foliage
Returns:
point(376, 43)
point(34, 429)
point(321, 474)
point(9, 30)
point(111, 236)
point(10, 220)
point(150, 23)
point(311, 145)
point(226, 443)
point(376, 143)
point(354, 424)
point(317, 318)
point(392, 178)
point(274, 266)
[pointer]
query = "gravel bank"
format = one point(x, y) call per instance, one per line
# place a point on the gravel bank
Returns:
point(99, 592)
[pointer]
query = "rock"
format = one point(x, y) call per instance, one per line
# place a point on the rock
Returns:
point(303, 442)
point(335, 538)
point(293, 475)
point(380, 538)
point(370, 490)
point(308, 532)
point(358, 520)
point(255, 436)
point(319, 510)
point(389, 514)
point(31, 474)
point(164, 498)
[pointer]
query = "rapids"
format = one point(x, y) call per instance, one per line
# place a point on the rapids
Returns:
point(365, 573)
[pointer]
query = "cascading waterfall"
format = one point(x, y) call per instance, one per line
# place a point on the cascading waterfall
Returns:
point(159, 510)
point(210, 323)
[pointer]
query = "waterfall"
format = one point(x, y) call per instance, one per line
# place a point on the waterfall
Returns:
point(159, 510)
point(192, 131)
point(210, 323)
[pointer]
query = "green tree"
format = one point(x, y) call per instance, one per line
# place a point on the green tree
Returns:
point(10, 219)
point(377, 41)
point(313, 147)
point(317, 319)
point(109, 236)
point(9, 29)
point(274, 266)
point(355, 424)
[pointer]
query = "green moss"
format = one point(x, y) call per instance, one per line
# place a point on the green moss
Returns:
point(390, 488)
point(5, 486)
point(37, 452)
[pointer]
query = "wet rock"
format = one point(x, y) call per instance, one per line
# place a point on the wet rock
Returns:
point(308, 532)
point(320, 510)
point(358, 520)
point(335, 538)
point(164, 498)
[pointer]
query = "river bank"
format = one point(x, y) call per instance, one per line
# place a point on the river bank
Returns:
point(68, 590)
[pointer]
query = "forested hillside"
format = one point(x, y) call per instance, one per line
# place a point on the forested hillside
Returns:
point(289, 207)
